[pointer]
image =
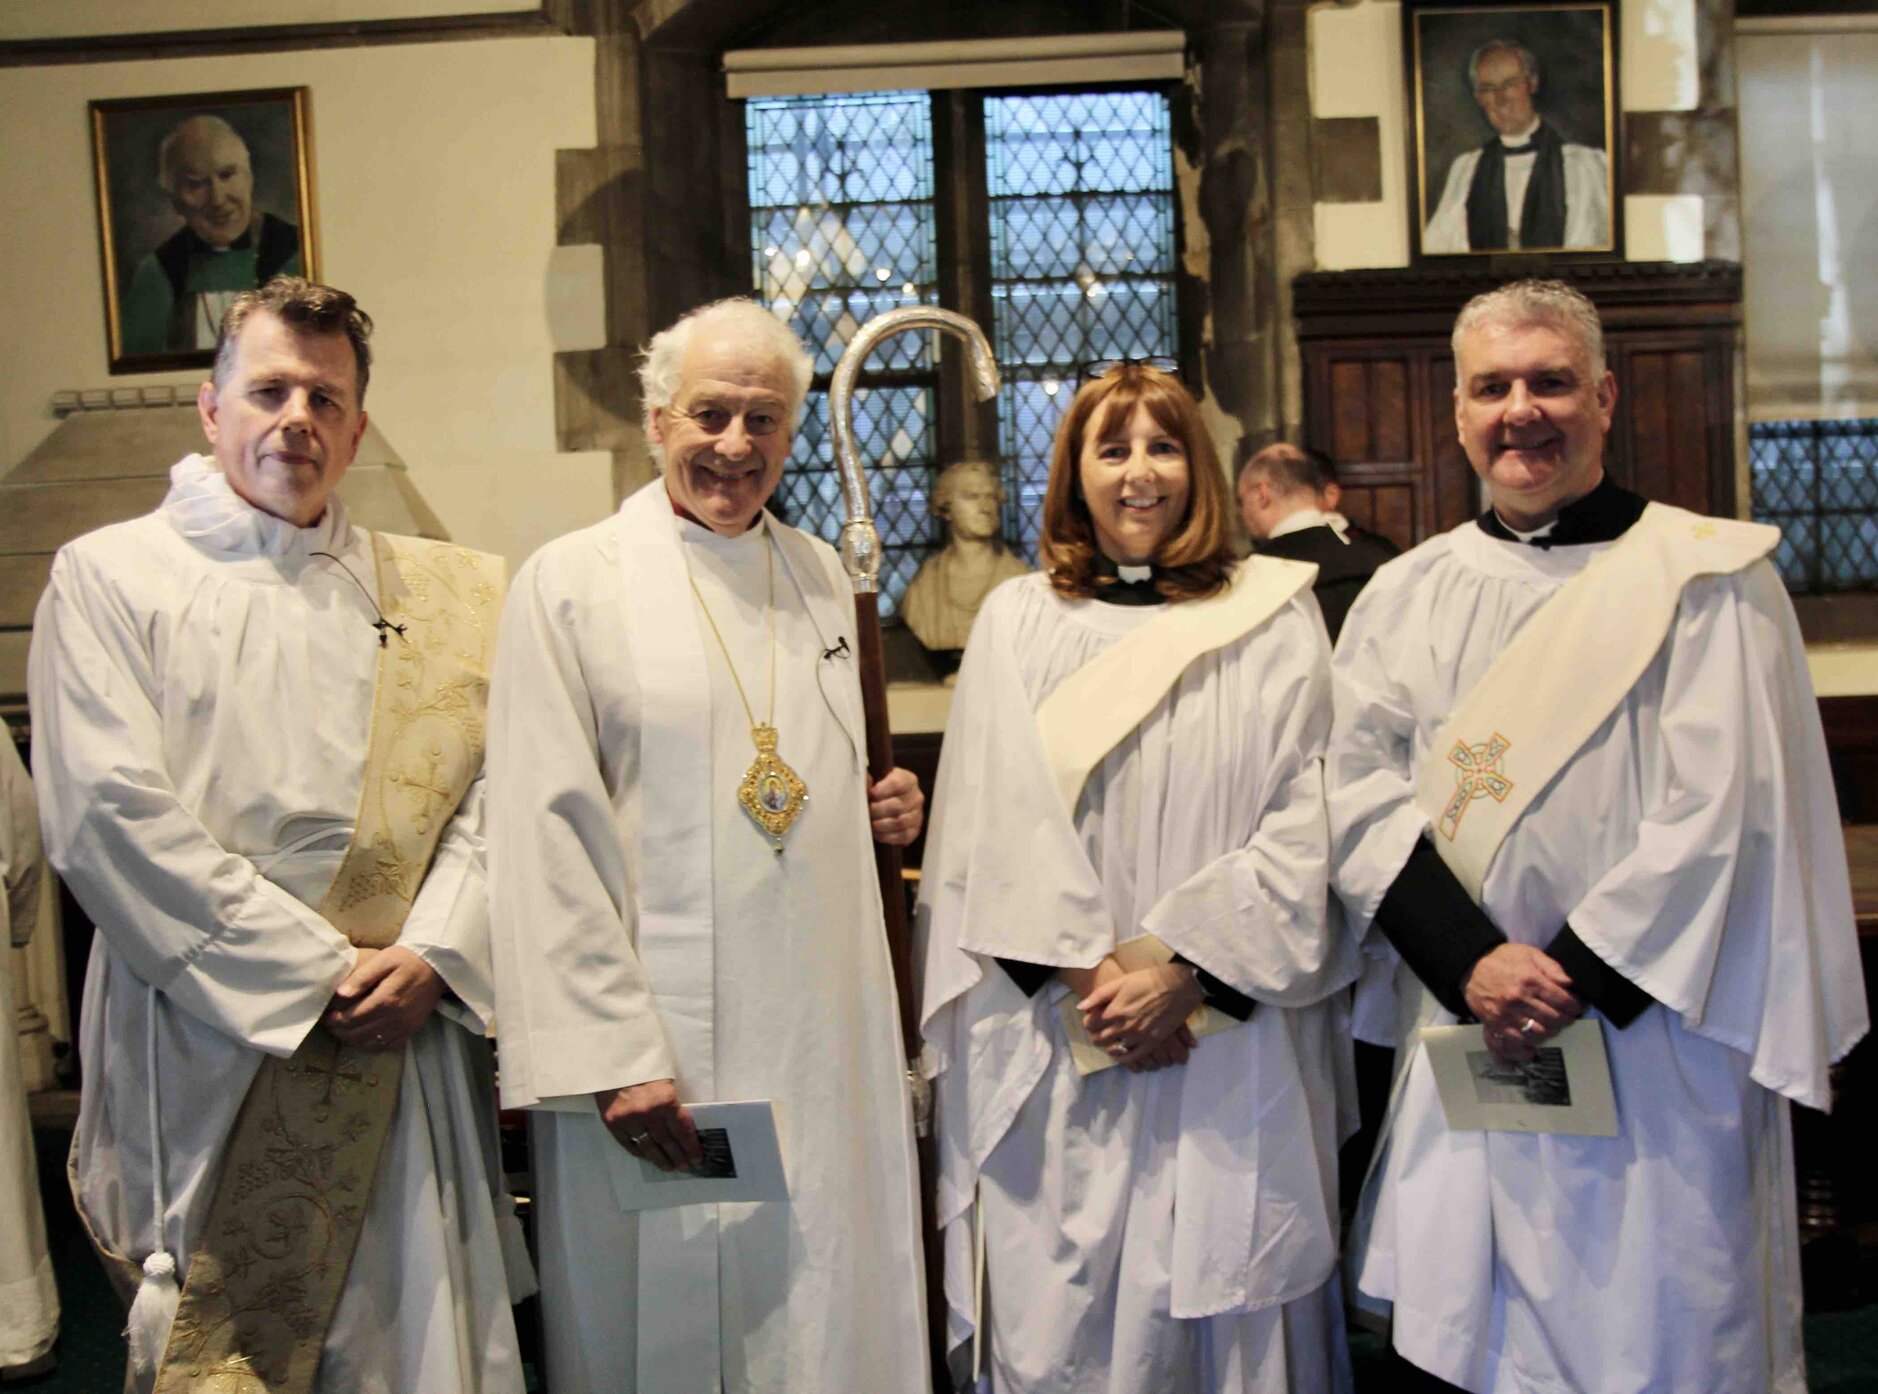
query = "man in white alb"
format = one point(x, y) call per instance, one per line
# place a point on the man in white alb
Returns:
point(1527, 186)
point(1576, 774)
point(664, 939)
point(257, 739)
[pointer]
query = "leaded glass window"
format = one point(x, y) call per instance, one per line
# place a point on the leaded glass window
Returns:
point(841, 228)
point(1082, 260)
point(1817, 481)
point(1079, 229)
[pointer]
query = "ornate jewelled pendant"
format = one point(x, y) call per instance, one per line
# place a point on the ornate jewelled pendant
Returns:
point(771, 792)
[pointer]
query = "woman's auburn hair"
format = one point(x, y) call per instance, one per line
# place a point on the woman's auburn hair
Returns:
point(1193, 561)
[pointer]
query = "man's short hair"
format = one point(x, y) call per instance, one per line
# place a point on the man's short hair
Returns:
point(1551, 303)
point(304, 305)
point(1289, 467)
point(664, 359)
point(1527, 62)
point(211, 126)
point(949, 477)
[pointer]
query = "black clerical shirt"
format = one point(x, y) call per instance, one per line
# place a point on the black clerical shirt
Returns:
point(1427, 915)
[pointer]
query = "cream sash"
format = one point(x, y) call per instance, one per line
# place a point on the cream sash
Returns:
point(1563, 674)
point(1093, 710)
point(298, 1173)
point(677, 1329)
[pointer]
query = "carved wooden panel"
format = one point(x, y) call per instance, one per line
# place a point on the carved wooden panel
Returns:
point(1379, 383)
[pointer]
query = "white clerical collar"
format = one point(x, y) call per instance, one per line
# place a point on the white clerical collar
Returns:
point(1132, 574)
point(203, 507)
point(1523, 137)
point(1311, 518)
point(1545, 531)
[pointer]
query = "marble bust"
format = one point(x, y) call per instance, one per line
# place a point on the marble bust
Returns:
point(945, 593)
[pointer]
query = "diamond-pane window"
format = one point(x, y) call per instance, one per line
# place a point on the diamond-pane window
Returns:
point(1082, 260)
point(841, 228)
point(1817, 481)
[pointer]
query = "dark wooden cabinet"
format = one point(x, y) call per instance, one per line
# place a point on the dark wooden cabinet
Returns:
point(1379, 383)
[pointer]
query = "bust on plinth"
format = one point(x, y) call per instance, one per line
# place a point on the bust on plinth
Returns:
point(944, 595)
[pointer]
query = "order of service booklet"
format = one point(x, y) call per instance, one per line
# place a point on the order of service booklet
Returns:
point(742, 1161)
point(1564, 1088)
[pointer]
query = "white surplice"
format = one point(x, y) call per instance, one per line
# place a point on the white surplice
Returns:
point(29, 1301)
point(1693, 843)
point(201, 692)
point(645, 929)
point(1161, 1232)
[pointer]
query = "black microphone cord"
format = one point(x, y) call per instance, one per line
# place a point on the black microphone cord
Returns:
point(384, 626)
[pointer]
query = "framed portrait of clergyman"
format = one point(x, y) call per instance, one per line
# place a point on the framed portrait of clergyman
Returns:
point(1513, 130)
point(200, 197)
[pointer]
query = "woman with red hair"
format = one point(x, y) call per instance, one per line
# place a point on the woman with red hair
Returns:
point(1126, 867)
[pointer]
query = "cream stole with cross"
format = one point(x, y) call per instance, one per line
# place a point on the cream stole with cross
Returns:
point(1562, 676)
point(302, 1159)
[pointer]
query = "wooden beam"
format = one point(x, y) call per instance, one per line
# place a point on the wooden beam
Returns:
point(547, 17)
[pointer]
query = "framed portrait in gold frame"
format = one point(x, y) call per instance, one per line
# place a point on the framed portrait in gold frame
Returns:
point(1513, 131)
point(200, 197)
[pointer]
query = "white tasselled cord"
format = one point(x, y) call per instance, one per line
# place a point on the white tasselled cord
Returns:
point(154, 1309)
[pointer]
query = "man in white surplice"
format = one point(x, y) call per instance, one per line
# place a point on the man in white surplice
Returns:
point(1629, 820)
point(29, 1303)
point(657, 947)
point(202, 684)
point(1169, 1227)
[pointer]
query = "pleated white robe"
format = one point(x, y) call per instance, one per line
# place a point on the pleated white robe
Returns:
point(824, 1291)
point(1693, 844)
point(1163, 1232)
point(201, 691)
point(29, 1299)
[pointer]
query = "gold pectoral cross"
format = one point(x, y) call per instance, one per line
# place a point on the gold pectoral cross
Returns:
point(771, 792)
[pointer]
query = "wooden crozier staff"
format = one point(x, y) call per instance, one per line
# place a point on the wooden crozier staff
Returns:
point(860, 557)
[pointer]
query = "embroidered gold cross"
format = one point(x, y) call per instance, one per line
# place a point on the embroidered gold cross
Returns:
point(1477, 773)
point(1704, 530)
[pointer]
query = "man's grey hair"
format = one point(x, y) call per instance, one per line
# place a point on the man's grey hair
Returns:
point(204, 126)
point(953, 475)
point(737, 318)
point(1527, 63)
point(1551, 303)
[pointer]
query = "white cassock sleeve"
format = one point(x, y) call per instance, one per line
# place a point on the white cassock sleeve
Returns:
point(448, 926)
point(22, 859)
point(577, 1011)
point(1447, 226)
point(1587, 197)
point(1374, 822)
point(1254, 918)
point(1734, 907)
point(193, 919)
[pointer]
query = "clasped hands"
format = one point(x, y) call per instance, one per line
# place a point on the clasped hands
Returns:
point(383, 1001)
point(1522, 999)
point(1140, 1018)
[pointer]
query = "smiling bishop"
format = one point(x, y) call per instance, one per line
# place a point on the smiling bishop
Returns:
point(686, 911)
point(1577, 782)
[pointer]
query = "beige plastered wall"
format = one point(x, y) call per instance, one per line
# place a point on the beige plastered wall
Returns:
point(1357, 70)
point(435, 189)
